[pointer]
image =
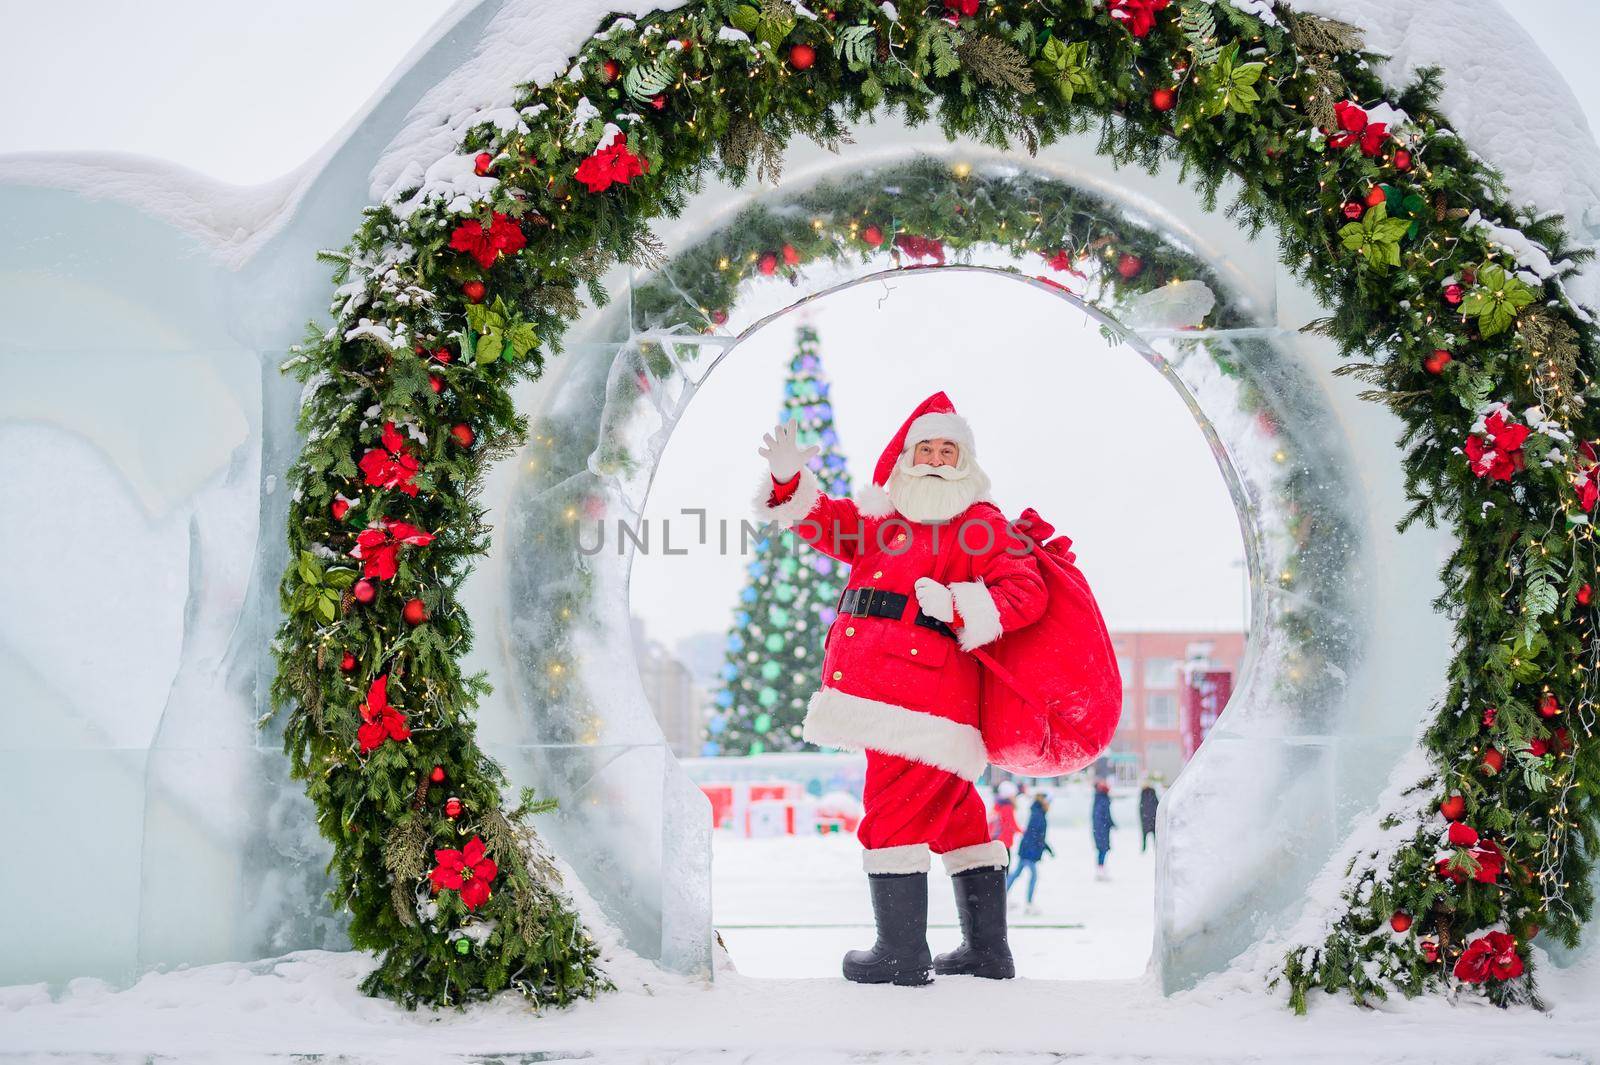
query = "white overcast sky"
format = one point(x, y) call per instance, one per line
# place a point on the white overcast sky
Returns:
point(245, 92)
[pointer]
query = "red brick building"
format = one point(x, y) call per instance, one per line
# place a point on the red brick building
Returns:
point(1148, 738)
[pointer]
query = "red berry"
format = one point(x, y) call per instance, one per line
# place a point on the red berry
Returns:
point(719, 316)
point(1490, 714)
point(436, 383)
point(364, 591)
point(659, 101)
point(1354, 210)
point(1164, 99)
point(768, 264)
point(1129, 266)
point(1454, 294)
point(1454, 808)
point(1402, 160)
point(437, 776)
point(611, 70)
point(873, 236)
point(802, 56)
point(1492, 762)
point(415, 612)
point(452, 807)
point(1400, 922)
point(475, 290)
point(482, 163)
point(463, 434)
point(348, 662)
point(1436, 362)
point(1376, 195)
point(1585, 594)
point(443, 354)
point(791, 255)
point(1548, 707)
point(340, 508)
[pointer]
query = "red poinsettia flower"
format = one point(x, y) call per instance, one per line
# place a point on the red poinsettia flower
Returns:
point(1491, 863)
point(967, 8)
point(1587, 479)
point(1496, 450)
point(503, 236)
point(1355, 129)
point(1139, 16)
point(392, 465)
point(1493, 956)
point(380, 722)
point(915, 247)
point(379, 547)
point(467, 870)
point(610, 165)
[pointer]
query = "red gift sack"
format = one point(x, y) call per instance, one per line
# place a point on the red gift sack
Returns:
point(1051, 691)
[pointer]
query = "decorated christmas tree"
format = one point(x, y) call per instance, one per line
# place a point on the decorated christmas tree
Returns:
point(774, 649)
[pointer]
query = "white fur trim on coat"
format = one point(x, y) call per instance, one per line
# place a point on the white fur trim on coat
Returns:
point(855, 723)
point(992, 855)
point(912, 858)
point(791, 510)
point(940, 427)
point(980, 618)
point(873, 501)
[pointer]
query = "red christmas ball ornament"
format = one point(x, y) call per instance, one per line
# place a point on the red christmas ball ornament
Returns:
point(340, 507)
point(1129, 266)
point(1585, 594)
point(452, 807)
point(768, 264)
point(1402, 160)
point(1376, 195)
point(1490, 713)
point(437, 776)
point(1354, 210)
point(1436, 362)
point(1430, 950)
point(1401, 921)
point(436, 383)
point(474, 290)
point(1548, 707)
point(364, 591)
point(1454, 808)
point(1492, 761)
point(1454, 294)
point(611, 70)
point(462, 434)
point(719, 316)
point(444, 355)
point(1164, 99)
point(802, 56)
point(1462, 834)
point(873, 236)
point(415, 612)
point(482, 163)
point(791, 255)
point(348, 662)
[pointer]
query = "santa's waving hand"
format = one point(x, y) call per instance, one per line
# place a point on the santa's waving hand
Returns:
point(936, 571)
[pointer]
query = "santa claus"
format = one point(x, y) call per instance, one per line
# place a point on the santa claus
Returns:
point(936, 572)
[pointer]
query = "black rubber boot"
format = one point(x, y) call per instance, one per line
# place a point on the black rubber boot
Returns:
point(981, 905)
point(900, 956)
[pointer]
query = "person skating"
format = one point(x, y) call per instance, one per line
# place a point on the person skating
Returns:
point(1100, 826)
point(1005, 827)
point(1032, 847)
point(1148, 803)
point(935, 572)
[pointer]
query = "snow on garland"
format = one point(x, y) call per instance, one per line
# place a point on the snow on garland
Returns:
point(1395, 223)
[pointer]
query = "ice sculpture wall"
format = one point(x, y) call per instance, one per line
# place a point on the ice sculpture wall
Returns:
point(144, 430)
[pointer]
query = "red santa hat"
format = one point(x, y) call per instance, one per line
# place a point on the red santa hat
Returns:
point(935, 418)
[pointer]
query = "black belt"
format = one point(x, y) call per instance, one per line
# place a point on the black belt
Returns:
point(877, 603)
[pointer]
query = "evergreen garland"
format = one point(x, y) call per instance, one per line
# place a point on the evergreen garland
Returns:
point(1495, 442)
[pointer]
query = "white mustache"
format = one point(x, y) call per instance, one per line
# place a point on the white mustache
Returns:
point(948, 473)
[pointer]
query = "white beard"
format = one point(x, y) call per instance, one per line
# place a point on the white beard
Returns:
point(936, 493)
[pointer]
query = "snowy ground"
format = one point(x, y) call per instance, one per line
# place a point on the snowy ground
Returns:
point(306, 1004)
point(792, 906)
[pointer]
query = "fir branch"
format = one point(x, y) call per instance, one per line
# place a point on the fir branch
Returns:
point(996, 62)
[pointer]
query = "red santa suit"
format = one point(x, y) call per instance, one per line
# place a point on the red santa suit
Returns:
point(896, 683)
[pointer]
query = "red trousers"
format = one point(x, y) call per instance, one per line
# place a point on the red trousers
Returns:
point(912, 808)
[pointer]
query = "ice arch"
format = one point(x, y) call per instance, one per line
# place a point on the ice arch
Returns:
point(155, 294)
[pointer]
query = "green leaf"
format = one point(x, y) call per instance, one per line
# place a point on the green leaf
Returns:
point(745, 18)
point(522, 338)
point(487, 349)
point(1230, 84)
point(1496, 299)
point(645, 80)
point(1067, 66)
point(1376, 237)
point(328, 608)
point(857, 46)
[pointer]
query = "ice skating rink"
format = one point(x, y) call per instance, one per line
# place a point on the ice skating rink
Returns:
point(791, 906)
